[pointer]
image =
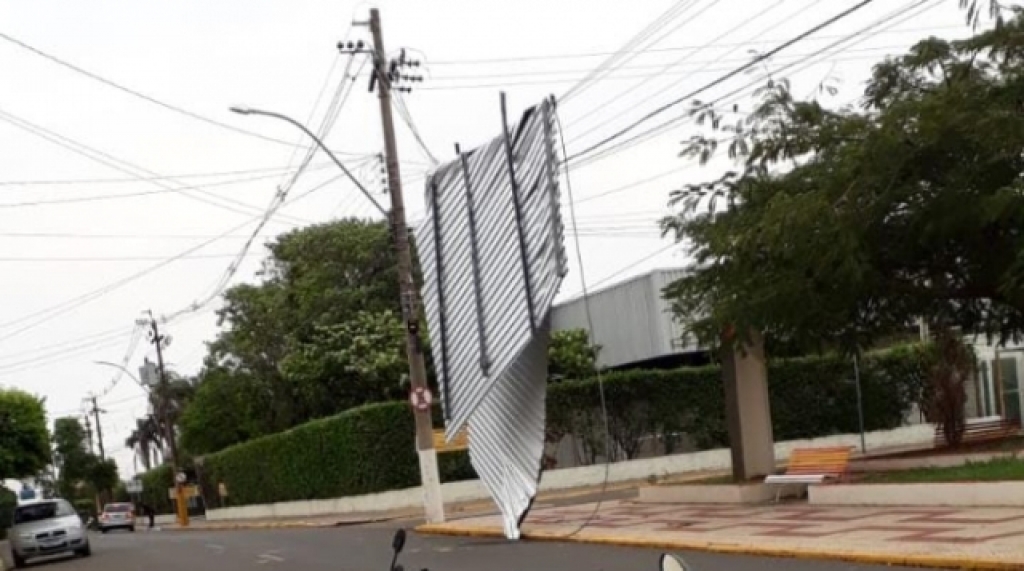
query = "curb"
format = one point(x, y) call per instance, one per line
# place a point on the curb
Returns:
point(866, 557)
point(272, 525)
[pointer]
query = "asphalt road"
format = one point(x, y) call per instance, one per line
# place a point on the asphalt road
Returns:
point(367, 548)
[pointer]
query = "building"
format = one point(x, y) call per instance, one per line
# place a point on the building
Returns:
point(997, 390)
point(633, 324)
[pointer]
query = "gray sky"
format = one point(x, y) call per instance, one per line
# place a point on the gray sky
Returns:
point(204, 56)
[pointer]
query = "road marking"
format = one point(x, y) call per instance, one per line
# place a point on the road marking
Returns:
point(268, 557)
point(215, 547)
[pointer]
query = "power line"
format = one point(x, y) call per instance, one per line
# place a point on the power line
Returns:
point(665, 69)
point(148, 98)
point(94, 259)
point(118, 164)
point(47, 314)
point(136, 180)
point(723, 78)
point(687, 47)
point(138, 194)
point(623, 54)
point(891, 19)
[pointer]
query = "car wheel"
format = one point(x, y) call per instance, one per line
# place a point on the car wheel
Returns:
point(85, 551)
point(19, 561)
point(132, 529)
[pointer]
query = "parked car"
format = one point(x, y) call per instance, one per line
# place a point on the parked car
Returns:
point(41, 528)
point(117, 516)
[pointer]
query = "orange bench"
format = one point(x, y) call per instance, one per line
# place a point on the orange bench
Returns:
point(460, 442)
point(812, 466)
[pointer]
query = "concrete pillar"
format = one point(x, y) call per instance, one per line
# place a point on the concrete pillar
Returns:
point(747, 409)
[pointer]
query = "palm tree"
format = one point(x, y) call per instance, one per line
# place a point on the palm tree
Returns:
point(146, 441)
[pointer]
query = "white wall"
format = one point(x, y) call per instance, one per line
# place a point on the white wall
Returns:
point(565, 479)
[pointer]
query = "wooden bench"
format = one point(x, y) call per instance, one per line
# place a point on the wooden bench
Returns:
point(460, 442)
point(808, 466)
point(982, 431)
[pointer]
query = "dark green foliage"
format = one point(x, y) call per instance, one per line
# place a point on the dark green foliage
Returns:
point(24, 440)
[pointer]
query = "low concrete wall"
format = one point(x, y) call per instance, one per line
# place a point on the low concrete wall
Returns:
point(972, 494)
point(651, 469)
point(707, 494)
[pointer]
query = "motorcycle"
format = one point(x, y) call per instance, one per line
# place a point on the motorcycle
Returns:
point(668, 562)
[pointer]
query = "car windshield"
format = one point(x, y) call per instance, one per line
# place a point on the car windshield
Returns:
point(118, 508)
point(35, 512)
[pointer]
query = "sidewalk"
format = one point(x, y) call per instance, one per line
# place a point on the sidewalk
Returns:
point(927, 537)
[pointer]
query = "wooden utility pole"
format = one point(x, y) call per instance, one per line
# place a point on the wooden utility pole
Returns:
point(162, 395)
point(99, 427)
point(433, 503)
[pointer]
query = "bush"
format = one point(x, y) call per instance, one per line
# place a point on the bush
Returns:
point(360, 451)
point(155, 484)
point(810, 397)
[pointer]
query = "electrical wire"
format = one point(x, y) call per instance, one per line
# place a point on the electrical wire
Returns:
point(584, 55)
point(47, 314)
point(722, 79)
point(95, 259)
point(122, 165)
point(593, 339)
point(136, 180)
point(148, 98)
point(891, 19)
point(406, 115)
point(636, 42)
point(662, 71)
point(138, 194)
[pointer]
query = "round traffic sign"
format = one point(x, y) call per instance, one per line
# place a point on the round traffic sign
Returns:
point(420, 398)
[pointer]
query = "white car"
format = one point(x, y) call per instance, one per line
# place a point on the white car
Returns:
point(117, 516)
point(42, 528)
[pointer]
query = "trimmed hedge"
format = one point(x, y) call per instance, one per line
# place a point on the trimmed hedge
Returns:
point(360, 451)
point(155, 484)
point(810, 397)
point(370, 449)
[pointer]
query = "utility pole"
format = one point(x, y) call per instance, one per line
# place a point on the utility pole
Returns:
point(433, 503)
point(99, 427)
point(88, 432)
point(164, 418)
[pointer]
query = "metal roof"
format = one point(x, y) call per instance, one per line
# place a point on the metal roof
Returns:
point(492, 254)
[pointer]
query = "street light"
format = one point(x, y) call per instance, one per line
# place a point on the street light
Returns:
point(241, 110)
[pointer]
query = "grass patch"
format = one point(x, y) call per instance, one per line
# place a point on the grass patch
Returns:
point(996, 470)
point(722, 481)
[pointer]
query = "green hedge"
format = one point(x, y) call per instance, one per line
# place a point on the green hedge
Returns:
point(371, 449)
point(360, 451)
point(810, 397)
point(155, 484)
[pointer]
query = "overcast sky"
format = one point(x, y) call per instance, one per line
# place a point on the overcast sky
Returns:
point(69, 252)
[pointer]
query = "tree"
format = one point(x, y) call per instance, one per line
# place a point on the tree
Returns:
point(355, 362)
point(316, 279)
point(24, 440)
point(842, 226)
point(228, 408)
point(71, 456)
point(102, 474)
point(571, 356)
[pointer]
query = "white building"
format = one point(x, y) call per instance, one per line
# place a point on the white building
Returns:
point(633, 324)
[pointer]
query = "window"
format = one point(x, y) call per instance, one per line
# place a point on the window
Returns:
point(117, 508)
point(35, 512)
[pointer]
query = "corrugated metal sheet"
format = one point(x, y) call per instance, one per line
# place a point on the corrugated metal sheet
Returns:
point(491, 249)
point(632, 320)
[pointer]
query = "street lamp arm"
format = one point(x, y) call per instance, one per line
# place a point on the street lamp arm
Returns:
point(319, 143)
point(125, 371)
